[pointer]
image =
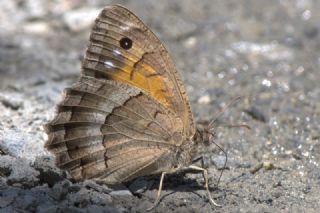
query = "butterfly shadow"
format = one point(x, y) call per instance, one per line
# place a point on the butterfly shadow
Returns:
point(179, 182)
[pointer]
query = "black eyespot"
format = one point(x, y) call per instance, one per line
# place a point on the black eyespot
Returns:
point(125, 43)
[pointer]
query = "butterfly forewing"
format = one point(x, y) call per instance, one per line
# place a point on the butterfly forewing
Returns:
point(146, 65)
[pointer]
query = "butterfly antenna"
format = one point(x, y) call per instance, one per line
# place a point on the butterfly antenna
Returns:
point(237, 125)
point(233, 101)
point(225, 162)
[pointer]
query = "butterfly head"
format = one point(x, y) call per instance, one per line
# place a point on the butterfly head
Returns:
point(204, 135)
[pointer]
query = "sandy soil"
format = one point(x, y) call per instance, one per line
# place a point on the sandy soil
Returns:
point(266, 51)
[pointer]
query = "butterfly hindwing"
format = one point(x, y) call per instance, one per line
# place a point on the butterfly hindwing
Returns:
point(101, 122)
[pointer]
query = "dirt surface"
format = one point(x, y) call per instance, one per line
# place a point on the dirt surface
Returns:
point(266, 51)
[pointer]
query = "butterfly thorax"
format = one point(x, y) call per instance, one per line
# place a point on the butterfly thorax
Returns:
point(192, 147)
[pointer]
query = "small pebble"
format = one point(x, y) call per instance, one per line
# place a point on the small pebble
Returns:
point(120, 190)
point(138, 186)
point(256, 114)
point(204, 99)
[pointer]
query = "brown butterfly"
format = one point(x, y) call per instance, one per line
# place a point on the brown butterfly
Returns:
point(128, 115)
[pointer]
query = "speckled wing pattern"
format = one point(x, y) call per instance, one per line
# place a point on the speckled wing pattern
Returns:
point(128, 112)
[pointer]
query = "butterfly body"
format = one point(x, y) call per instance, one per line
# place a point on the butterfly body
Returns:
point(128, 115)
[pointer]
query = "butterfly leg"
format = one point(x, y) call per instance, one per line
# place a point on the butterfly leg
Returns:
point(159, 192)
point(206, 184)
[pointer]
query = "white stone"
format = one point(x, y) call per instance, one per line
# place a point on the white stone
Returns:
point(204, 99)
point(37, 28)
point(80, 19)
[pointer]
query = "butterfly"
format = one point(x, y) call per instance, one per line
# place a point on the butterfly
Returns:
point(128, 115)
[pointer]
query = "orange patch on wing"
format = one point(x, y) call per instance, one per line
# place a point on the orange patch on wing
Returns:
point(152, 85)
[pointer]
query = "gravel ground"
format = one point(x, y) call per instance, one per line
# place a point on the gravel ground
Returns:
point(266, 51)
